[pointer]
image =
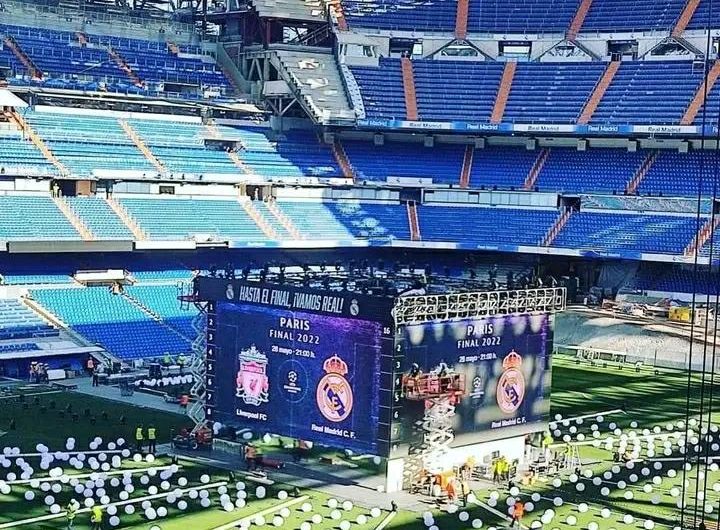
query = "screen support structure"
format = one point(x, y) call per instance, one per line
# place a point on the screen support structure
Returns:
point(437, 434)
point(197, 365)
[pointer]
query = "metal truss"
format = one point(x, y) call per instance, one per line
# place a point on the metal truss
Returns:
point(198, 368)
point(415, 309)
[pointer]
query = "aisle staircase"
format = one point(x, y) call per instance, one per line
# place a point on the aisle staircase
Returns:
point(14, 47)
point(131, 224)
point(408, 76)
point(258, 218)
point(413, 221)
point(598, 92)
point(343, 161)
point(27, 131)
point(703, 236)
point(461, 19)
point(284, 220)
point(121, 63)
point(685, 17)
point(503, 92)
point(467, 166)
point(140, 144)
point(73, 218)
point(578, 20)
point(701, 95)
point(557, 226)
point(535, 170)
point(639, 175)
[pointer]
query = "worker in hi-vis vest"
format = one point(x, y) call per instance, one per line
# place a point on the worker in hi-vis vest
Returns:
point(139, 437)
point(70, 513)
point(152, 437)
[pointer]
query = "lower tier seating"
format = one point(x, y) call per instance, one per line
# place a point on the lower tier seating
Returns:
point(112, 322)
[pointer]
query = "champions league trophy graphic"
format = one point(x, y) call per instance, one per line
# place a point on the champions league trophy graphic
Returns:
point(441, 389)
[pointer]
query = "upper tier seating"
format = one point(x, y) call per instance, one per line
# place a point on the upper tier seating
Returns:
point(19, 322)
point(382, 89)
point(26, 217)
point(180, 218)
point(551, 92)
point(455, 90)
point(639, 15)
point(596, 170)
point(486, 16)
point(315, 220)
point(442, 163)
point(502, 167)
point(295, 154)
point(649, 92)
point(67, 64)
point(661, 234)
point(372, 220)
point(74, 140)
point(642, 92)
point(99, 218)
point(19, 156)
point(120, 327)
point(681, 174)
point(485, 226)
point(180, 147)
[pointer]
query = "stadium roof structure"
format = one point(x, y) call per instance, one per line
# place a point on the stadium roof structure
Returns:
point(8, 99)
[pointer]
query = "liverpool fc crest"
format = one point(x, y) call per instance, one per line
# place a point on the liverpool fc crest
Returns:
point(511, 386)
point(252, 379)
point(334, 394)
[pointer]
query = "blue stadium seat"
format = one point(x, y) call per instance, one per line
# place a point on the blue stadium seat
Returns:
point(33, 217)
point(19, 322)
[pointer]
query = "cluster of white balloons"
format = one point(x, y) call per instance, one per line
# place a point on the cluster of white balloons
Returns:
point(165, 381)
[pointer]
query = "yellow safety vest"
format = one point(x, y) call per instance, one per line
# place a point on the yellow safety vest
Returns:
point(139, 434)
point(151, 434)
point(96, 515)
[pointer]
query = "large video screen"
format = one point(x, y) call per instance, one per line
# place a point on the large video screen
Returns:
point(301, 374)
point(494, 371)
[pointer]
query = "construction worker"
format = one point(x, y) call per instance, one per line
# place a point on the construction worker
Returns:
point(152, 436)
point(518, 512)
point(184, 400)
point(96, 517)
point(70, 513)
point(167, 360)
point(250, 457)
point(495, 467)
point(546, 443)
point(139, 438)
point(181, 360)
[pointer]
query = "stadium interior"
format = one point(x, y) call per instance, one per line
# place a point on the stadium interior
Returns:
point(508, 143)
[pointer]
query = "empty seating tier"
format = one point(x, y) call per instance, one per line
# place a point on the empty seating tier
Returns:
point(120, 327)
point(33, 217)
point(19, 322)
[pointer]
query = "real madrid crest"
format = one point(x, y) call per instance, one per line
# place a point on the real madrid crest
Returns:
point(511, 386)
point(252, 379)
point(334, 395)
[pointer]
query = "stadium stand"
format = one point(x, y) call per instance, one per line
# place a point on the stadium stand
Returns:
point(19, 322)
point(33, 217)
point(372, 220)
point(662, 234)
point(162, 300)
point(489, 227)
point(643, 15)
point(122, 328)
point(101, 63)
point(382, 88)
point(441, 163)
point(179, 147)
point(597, 170)
point(493, 16)
point(99, 217)
point(550, 92)
point(75, 141)
point(20, 157)
point(676, 174)
point(649, 92)
point(181, 218)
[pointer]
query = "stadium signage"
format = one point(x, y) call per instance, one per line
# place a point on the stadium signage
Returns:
point(510, 128)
